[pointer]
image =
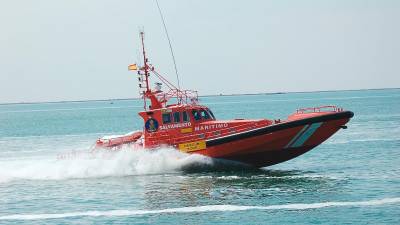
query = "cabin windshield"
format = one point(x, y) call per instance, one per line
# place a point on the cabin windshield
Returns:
point(211, 114)
point(204, 114)
point(177, 117)
point(166, 117)
point(196, 115)
point(185, 117)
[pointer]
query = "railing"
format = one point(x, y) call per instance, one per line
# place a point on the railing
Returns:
point(327, 108)
point(183, 96)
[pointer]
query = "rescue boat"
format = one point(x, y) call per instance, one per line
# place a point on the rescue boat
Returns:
point(175, 118)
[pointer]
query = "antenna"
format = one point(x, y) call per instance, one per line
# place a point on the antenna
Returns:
point(146, 67)
point(170, 45)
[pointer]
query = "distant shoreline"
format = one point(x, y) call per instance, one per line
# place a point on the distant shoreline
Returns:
point(212, 95)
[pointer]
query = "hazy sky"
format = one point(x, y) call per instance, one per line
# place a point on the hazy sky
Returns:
point(80, 49)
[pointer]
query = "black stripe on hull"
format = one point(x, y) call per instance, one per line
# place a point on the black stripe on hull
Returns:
point(269, 158)
point(278, 127)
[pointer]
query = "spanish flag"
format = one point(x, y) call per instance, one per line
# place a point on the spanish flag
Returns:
point(132, 67)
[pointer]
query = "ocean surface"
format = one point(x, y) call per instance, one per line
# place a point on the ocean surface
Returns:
point(48, 175)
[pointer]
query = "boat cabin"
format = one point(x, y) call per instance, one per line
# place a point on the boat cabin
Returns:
point(175, 121)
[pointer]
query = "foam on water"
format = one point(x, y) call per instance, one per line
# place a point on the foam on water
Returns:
point(200, 209)
point(100, 163)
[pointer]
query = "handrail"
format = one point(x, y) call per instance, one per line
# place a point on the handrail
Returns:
point(326, 108)
point(184, 96)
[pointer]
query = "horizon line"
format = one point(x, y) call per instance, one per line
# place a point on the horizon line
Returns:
point(210, 95)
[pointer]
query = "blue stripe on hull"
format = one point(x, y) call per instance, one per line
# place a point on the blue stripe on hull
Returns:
point(306, 135)
point(297, 135)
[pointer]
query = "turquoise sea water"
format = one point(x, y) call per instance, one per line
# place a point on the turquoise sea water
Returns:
point(354, 177)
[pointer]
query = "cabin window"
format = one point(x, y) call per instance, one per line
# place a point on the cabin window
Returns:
point(166, 117)
point(177, 117)
point(204, 114)
point(211, 114)
point(196, 115)
point(185, 117)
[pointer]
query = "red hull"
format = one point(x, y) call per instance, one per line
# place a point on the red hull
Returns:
point(277, 143)
point(262, 146)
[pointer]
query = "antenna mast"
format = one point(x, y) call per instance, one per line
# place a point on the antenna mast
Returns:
point(157, 97)
point(146, 67)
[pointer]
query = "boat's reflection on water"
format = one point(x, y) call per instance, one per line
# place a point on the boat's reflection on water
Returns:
point(236, 185)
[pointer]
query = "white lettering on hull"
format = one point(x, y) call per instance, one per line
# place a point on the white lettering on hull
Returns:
point(211, 127)
point(176, 125)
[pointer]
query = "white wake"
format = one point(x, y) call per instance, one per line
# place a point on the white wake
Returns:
point(101, 163)
point(200, 209)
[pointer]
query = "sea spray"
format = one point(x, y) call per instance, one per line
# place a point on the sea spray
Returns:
point(100, 163)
